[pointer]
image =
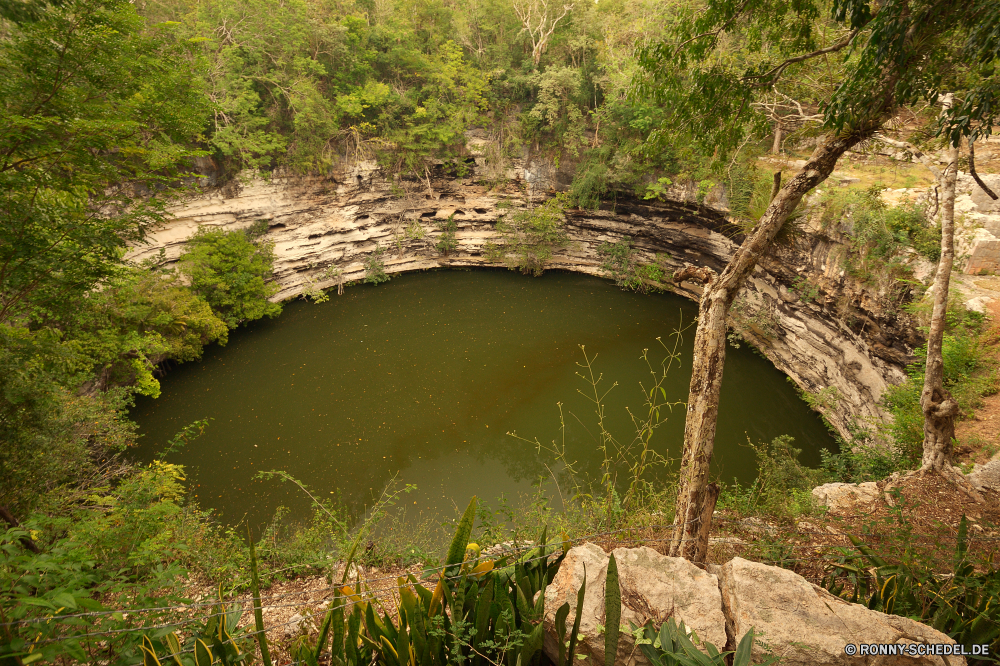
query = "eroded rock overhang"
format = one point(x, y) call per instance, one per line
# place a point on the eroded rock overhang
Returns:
point(320, 222)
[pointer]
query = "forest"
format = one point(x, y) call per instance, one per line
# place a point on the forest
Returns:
point(113, 110)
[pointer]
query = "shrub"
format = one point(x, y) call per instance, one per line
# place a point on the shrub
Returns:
point(968, 375)
point(528, 238)
point(590, 184)
point(375, 267)
point(231, 272)
point(447, 243)
point(782, 486)
point(140, 319)
point(909, 581)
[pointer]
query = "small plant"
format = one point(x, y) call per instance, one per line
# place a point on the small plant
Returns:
point(311, 290)
point(960, 603)
point(528, 238)
point(747, 322)
point(619, 264)
point(414, 230)
point(447, 243)
point(218, 641)
point(782, 486)
point(375, 267)
point(658, 190)
point(676, 645)
point(806, 290)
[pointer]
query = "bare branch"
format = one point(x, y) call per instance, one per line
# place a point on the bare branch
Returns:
point(534, 16)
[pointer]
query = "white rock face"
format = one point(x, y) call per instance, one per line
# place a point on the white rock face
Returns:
point(653, 587)
point(319, 223)
point(978, 236)
point(845, 497)
point(807, 626)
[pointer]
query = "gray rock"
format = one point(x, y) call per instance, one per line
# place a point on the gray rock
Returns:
point(807, 626)
point(796, 620)
point(654, 587)
point(986, 475)
point(844, 497)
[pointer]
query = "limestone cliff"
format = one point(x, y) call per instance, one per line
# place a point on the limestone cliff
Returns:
point(337, 220)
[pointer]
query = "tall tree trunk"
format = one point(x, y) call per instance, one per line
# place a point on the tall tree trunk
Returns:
point(710, 343)
point(776, 146)
point(938, 406)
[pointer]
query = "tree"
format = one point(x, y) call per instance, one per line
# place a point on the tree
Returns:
point(538, 23)
point(232, 272)
point(723, 60)
point(95, 114)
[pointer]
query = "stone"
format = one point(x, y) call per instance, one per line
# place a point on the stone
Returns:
point(805, 625)
point(986, 475)
point(654, 587)
point(293, 625)
point(844, 497)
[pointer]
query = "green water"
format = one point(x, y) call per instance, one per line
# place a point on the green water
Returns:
point(422, 378)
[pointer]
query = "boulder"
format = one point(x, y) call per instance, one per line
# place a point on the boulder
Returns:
point(986, 475)
point(807, 626)
point(844, 497)
point(794, 619)
point(653, 586)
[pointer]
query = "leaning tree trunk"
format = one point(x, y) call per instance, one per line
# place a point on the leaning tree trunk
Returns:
point(938, 406)
point(710, 346)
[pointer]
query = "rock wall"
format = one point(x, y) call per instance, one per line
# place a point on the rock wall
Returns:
point(338, 220)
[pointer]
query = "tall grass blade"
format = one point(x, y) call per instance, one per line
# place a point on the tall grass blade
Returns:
point(258, 614)
point(612, 612)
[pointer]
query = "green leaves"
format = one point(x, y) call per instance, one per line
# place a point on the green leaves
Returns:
point(90, 102)
point(959, 604)
point(676, 645)
point(528, 238)
point(232, 273)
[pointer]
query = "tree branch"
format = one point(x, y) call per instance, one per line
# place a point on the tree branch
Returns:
point(913, 150)
point(771, 77)
point(972, 170)
point(713, 33)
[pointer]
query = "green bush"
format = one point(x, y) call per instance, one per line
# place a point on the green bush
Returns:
point(590, 185)
point(375, 267)
point(140, 319)
point(232, 273)
point(528, 238)
point(447, 242)
point(968, 375)
point(676, 645)
point(783, 484)
point(860, 462)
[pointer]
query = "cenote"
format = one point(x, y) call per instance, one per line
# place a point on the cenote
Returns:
point(422, 378)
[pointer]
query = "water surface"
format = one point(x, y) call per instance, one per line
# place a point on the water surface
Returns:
point(423, 377)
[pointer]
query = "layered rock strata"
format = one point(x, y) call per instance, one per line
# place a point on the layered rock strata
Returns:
point(324, 228)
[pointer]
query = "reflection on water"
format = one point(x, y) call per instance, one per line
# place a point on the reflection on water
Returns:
point(425, 375)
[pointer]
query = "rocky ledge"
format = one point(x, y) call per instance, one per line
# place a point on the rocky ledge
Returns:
point(800, 622)
point(843, 343)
